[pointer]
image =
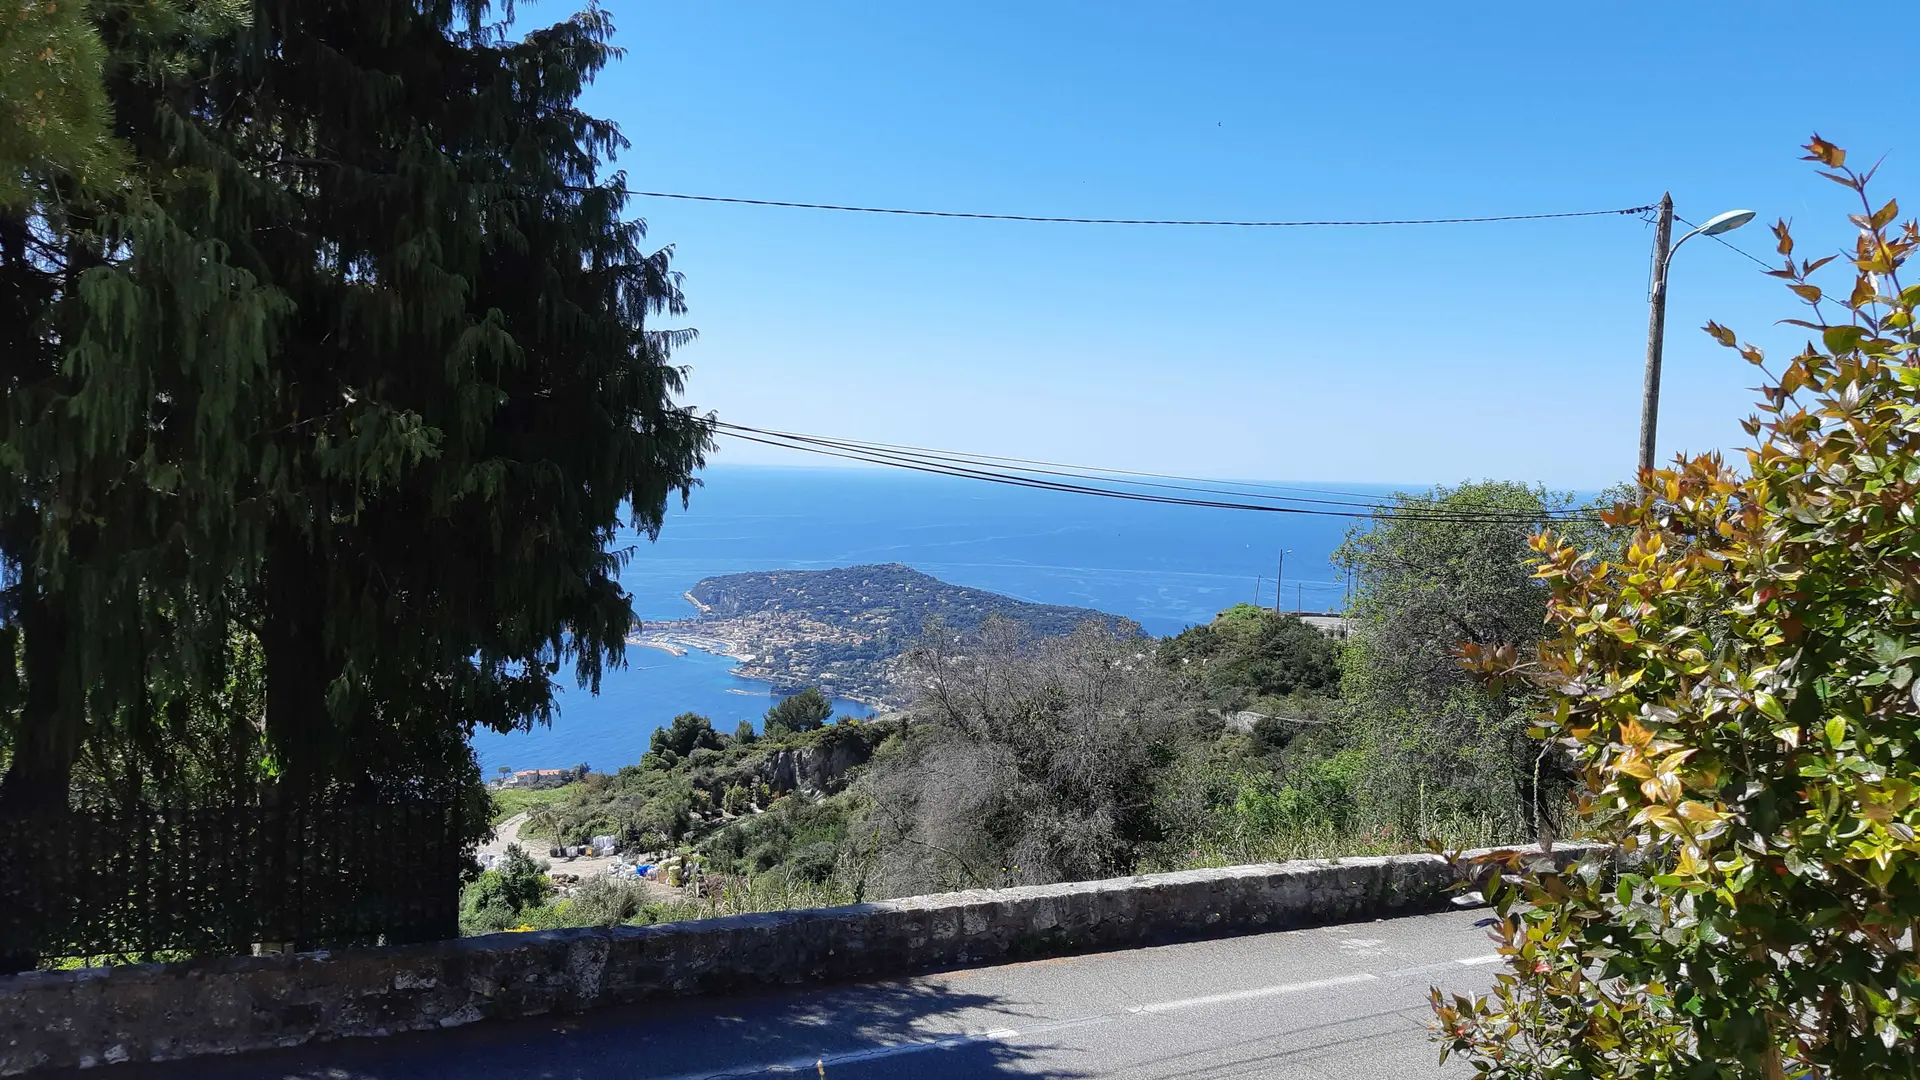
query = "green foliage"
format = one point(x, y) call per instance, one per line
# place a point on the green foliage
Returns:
point(744, 734)
point(510, 801)
point(802, 851)
point(356, 373)
point(1248, 653)
point(804, 711)
point(1324, 794)
point(1738, 689)
point(127, 334)
point(327, 373)
point(669, 801)
point(801, 837)
point(667, 813)
point(57, 61)
point(54, 117)
point(1232, 802)
point(688, 732)
point(500, 899)
point(1444, 745)
point(605, 901)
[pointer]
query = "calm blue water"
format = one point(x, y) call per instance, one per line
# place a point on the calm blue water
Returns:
point(1165, 566)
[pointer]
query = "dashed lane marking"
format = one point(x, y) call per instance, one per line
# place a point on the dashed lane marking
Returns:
point(1249, 995)
point(814, 1063)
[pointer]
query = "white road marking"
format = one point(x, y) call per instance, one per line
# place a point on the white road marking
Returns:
point(1421, 969)
point(1475, 961)
point(1249, 995)
point(1061, 1025)
point(815, 1063)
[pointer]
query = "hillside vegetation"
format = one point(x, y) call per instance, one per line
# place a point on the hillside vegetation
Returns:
point(1024, 758)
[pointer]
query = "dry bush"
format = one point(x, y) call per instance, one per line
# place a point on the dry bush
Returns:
point(1025, 761)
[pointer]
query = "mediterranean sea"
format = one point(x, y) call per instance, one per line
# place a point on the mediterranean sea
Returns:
point(1166, 567)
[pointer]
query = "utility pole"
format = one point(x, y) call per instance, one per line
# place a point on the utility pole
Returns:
point(1279, 577)
point(1299, 604)
point(1656, 332)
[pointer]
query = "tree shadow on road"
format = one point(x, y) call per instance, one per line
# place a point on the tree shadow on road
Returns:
point(864, 1032)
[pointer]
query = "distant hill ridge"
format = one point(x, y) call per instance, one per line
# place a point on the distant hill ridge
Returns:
point(843, 630)
point(892, 593)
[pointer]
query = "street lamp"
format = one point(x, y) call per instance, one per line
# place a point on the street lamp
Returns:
point(1657, 318)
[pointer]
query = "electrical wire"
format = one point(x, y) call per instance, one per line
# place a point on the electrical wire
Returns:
point(1129, 221)
point(941, 458)
point(991, 468)
point(1074, 472)
point(1385, 513)
point(1097, 471)
point(923, 455)
point(960, 467)
point(1725, 244)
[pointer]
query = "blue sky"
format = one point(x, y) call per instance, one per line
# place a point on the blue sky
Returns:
point(1424, 354)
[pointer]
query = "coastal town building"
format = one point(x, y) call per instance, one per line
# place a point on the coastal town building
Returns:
point(535, 778)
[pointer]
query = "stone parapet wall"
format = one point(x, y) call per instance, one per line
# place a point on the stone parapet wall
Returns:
point(153, 1012)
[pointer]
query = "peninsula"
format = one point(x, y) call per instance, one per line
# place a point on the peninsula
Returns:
point(841, 630)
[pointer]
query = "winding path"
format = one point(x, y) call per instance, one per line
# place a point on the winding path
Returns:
point(504, 834)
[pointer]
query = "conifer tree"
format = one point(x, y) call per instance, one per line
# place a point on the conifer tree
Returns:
point(350, 386)
point(125, 340)
point(467, 397)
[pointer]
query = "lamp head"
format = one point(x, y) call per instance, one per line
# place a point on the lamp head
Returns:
point(1727, 222)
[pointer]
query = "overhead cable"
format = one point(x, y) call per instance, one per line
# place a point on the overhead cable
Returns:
point(1219, 223)
point(926, 456)
point(960, 466)
point(1101, 471)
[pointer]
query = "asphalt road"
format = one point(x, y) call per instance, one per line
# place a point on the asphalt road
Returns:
point(1341, 1001)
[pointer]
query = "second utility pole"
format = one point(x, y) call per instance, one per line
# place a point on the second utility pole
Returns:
point(1656, 333)
point(1279, 576)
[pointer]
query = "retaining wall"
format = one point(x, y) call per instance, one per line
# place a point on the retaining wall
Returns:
point(153, 1012)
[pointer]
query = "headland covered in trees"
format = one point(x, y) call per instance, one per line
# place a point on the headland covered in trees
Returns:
point(844, 630)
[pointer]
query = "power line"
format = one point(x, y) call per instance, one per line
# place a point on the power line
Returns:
point(1099, 471)
point(960, 467)
point(1129, 221)
point(1726, 244)
point(1075, 472)
point(922, 455)
point(1044, 485)
point(887, 453)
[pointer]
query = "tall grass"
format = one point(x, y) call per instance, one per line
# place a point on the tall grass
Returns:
point(1322, 840)
point(510, 801)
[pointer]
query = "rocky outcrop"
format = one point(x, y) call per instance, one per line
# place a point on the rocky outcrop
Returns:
point(813, 770)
